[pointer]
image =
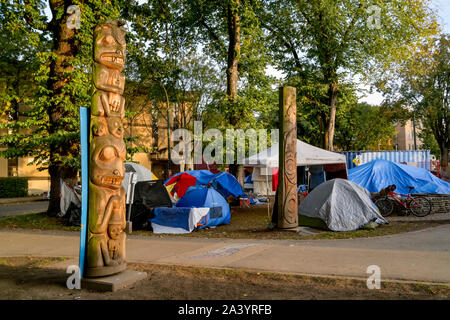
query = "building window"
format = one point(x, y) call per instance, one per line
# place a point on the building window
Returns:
point(13, 167)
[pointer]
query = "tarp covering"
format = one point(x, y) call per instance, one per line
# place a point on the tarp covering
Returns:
point(306, 155)
point(201, 197)
point(177, 220)
point(223, 182)
point(342, 205)
point(379, 174)
point(69, 195)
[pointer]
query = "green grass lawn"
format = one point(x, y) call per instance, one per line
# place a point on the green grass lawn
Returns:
point(39, 221)
point(246, 223)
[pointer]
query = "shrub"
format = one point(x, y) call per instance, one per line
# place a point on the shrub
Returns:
point(13, 187)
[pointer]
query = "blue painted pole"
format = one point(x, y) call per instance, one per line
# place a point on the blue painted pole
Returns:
point(84, 137)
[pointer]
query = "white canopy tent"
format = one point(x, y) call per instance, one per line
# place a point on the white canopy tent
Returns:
point(307, 155)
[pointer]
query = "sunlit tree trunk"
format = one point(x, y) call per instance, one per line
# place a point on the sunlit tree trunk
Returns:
point(234, 50)
point(329, 135)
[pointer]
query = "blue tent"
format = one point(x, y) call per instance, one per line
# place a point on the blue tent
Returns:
point(379, 174)
point(224, 182)
point(200, 197)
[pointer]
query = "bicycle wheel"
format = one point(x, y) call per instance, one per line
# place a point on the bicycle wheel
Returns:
point(420, 207)
point(385, 205)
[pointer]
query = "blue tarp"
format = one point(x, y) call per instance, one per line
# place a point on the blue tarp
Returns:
point(223, 182)
point(227, 185)
point(200, 197)
point(379, 174)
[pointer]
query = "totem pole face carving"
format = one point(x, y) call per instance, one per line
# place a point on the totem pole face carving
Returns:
point(107, 169)
point(109, 46)
point(114, 230)
point(115, 225)
point(99, 126)
point(115, 127)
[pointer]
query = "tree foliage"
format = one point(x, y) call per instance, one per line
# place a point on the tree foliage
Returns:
point(337, 39)
point(424, 86)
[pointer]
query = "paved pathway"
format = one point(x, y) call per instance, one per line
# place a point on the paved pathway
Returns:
point(417, 256)
point(21, 200)
point(14, 209)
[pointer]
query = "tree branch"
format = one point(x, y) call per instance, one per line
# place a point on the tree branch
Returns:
point(285, 42)
point(39, 25)
point(220, 45)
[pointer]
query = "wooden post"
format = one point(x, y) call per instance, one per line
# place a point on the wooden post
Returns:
point(287, 185)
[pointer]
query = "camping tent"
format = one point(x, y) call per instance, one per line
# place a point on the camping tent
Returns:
point(204, 197)
point(307, 155)
point(379, 174)
point(142, 173)
point(225, 183)
point(147, 196)
point(200, 207)
point(177, 220)
point(341, 205)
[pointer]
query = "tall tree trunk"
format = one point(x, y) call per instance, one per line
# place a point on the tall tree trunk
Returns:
point(234, 51)
point(64, 47)
point(329, 135)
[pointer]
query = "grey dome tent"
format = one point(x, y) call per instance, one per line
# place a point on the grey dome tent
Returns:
point(339, 205)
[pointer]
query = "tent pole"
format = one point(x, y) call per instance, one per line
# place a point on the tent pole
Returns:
point(346, 169)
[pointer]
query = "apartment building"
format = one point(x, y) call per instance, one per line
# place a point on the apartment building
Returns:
point(406, 139)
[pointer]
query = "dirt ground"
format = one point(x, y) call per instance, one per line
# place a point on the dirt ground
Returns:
point(24, 278)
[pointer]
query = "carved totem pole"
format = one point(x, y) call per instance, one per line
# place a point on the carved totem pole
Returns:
point(106, 219)
point(287, 185)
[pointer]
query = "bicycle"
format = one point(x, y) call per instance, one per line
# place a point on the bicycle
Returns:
point(418, 206)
